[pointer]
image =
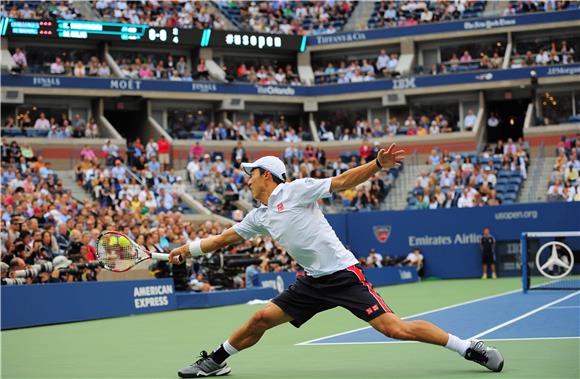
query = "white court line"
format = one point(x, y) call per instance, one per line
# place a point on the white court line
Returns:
point(525, 315)
point(401, 342)
point(313, 341)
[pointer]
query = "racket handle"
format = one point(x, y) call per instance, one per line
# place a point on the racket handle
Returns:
point(163, 257)
point(160, 256)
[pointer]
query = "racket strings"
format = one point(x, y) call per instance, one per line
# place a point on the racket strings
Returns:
point(116, 252)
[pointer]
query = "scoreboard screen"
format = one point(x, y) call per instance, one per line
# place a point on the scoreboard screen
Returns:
point(97, 30)
point(113, 31)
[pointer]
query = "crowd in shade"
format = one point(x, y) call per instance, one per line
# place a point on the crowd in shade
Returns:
point(77, 63)
point(289, 17)
point(39, 10)
point(395, 13)
point(466, 180)
point(265, 74)
point(54, 126)
point(467, 62)
point(422, 125)
point(358, 70)
point(168, 14)
point(135, 65)
point(269, 129)
point(564, 184)
point(554, 53)
point(528, 6)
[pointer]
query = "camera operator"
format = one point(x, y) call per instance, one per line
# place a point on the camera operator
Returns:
point(74, 248)
point(18, 270)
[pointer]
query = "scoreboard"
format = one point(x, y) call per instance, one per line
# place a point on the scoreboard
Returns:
point(97, 30)
point(131, 33)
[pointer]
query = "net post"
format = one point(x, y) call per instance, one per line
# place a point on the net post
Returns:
point(524, 248)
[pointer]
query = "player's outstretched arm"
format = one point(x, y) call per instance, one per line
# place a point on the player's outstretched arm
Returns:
point(206, 245)
point(355, 176)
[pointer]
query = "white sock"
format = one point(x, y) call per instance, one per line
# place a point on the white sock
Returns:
point(229, 348)
point(457, 344)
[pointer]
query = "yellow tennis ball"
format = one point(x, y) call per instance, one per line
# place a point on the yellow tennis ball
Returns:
point(113, 240)
point(123, 241)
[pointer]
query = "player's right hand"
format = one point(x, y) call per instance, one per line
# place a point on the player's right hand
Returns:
point(177, 256)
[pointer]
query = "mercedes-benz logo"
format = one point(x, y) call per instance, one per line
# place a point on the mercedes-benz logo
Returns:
point(561, 261)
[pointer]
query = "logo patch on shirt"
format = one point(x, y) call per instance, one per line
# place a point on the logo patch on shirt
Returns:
point(382, 232)
point(280, 207)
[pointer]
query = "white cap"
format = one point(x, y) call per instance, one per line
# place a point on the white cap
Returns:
point(61, 262)
point(269, 163)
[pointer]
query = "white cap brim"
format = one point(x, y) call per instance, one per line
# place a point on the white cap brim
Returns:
point(248, 167)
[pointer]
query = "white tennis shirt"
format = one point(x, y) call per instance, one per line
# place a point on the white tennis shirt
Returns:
point(294, 219)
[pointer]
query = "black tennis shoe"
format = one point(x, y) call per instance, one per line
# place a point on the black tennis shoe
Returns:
point(488, 357)
point(204, 366)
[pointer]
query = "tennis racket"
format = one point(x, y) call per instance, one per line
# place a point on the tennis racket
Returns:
point(119, 253)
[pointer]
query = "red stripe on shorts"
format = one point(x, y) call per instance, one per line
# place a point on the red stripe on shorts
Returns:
point(363, 280)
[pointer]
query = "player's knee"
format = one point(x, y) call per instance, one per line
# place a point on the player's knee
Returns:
point(398, 331)
point(260, 321)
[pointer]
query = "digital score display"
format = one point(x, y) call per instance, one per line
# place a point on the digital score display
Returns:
point(112, 31)
point(96, 30)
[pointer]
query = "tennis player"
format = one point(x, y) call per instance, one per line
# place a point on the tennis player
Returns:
point(290, 214)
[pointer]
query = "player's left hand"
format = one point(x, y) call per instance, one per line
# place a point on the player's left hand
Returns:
point(391, 157)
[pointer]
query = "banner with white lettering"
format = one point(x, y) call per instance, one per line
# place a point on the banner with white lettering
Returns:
point(43, 304)
point(137, 85)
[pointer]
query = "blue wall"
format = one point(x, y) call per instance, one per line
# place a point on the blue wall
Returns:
point(56, 303)
point(122, 85)
point(383, 276)
point(449, 238)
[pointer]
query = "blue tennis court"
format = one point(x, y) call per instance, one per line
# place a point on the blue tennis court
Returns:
point(508, 316)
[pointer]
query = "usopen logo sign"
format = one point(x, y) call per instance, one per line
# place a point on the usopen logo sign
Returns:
point(382, 232)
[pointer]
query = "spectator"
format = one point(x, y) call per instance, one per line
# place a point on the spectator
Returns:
point(470, 120)
point(42, 122)
point(20, 59)
point(374, 259)
point(415, 259)
point(164, 149)
point(57, 67)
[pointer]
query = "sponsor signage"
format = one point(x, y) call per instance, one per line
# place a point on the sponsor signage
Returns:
point(275, 90)
point(446, 27)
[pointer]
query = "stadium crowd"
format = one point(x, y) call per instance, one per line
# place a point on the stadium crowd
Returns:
point(57, 126)
point(557, 52)
point(289, 17)
point(564, 184)
point(391, 13)
point(181, 14)
point(39, 10)
point(226, 183)
point(527, 6)
point(357, 71)
point(77, 63)
point(47, 236)
point(471, 180)
point(363, 129)
point(135, 65)
point(265, 74)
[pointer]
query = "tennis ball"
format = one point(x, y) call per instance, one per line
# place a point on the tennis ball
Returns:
point(123, 242)
point(113, 240)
